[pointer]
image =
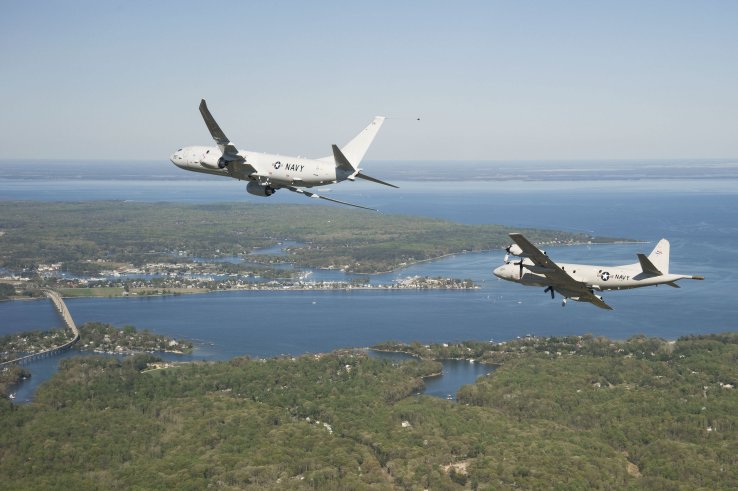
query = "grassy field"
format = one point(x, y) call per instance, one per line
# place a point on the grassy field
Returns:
point(91, 292)
point(120, 291)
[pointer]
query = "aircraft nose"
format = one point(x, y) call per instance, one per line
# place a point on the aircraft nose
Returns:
point(176, 158)
point(499, 272)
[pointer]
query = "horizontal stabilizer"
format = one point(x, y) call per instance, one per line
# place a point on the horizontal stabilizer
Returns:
point(647, 266)
point(374, 179)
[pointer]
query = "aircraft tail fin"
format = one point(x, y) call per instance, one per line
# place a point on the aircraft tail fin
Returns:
point(648, 267)
point(342, 162)
point(358, 146)
point(659, 257)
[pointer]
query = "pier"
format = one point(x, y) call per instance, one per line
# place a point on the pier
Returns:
point(61, 307)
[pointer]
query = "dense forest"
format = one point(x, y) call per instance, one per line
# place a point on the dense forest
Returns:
point(90, 236)
point(10, 375)
point(563, 413)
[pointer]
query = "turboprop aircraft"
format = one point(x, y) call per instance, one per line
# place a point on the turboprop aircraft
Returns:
point(266, 173)
point(580, 281)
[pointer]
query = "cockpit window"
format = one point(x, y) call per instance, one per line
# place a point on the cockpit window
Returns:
point(179, 150)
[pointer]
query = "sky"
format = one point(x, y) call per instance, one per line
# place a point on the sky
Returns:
point(489, 80)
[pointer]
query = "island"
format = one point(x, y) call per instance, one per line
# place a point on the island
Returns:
point(580, 412)
point(94, 337)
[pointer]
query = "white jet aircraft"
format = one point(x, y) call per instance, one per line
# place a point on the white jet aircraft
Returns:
point(266, 173)
point(580, 281)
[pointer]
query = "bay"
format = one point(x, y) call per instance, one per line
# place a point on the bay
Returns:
point(698, 216)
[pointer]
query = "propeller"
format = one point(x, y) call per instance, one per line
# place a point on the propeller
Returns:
point(549, 289)
point(513, 250)
point(520, 273)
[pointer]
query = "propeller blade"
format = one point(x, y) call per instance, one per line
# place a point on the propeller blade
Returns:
point(549, 289)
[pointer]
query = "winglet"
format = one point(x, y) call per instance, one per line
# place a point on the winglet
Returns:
point(230, 152)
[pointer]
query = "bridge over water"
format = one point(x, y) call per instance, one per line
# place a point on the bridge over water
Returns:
point(61, 307)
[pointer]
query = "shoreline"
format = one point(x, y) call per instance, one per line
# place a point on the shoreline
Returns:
point(416, 356)
point(344, 286)
point(450, 254)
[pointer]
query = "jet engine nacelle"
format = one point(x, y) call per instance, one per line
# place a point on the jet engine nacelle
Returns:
point(210, 161)
point(254, 187)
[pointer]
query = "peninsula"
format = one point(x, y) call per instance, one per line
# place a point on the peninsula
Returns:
point(95, 337)
point(145, 248)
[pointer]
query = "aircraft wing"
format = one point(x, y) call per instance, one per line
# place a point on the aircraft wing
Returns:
point(314, 195)
point(584, 296)
point(561, 281)
point(545, 265)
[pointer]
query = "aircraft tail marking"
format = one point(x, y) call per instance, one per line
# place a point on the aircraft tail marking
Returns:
point(659, 257)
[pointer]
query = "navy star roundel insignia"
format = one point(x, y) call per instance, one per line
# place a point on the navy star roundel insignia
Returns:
point(605, 276)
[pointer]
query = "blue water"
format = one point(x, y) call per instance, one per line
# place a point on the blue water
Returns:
point(699, 217)
point(455, 374)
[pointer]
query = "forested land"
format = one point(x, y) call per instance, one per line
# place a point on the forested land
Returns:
point(90, 236)
point(567, 413)
point(10, 375)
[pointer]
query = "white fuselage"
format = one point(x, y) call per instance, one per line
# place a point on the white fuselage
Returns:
point(595, 277)
point(273, 170)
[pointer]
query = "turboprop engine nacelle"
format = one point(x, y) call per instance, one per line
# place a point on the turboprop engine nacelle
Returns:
point(259, 189)
point(515, 250)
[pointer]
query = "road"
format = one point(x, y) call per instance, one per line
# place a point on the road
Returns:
point(61, 307)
